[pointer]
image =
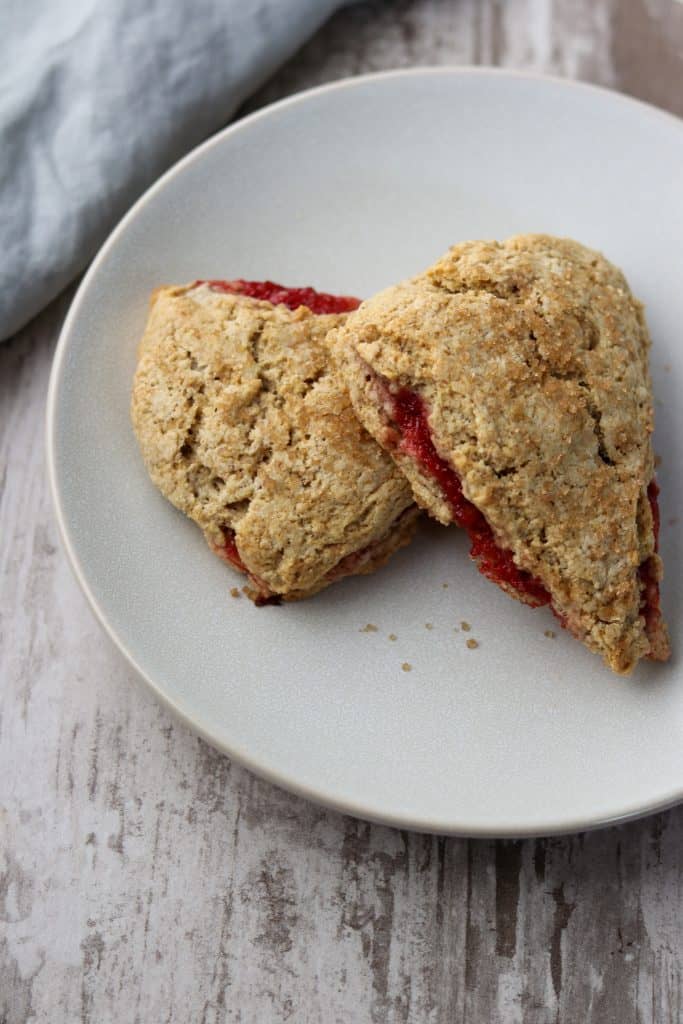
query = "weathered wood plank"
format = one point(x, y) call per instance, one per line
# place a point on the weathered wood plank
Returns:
point(143, 877)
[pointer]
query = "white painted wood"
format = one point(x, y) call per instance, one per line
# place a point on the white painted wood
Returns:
point(145, 878)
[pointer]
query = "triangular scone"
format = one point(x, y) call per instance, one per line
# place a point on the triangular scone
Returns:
point(510, 383)
point(245, 425)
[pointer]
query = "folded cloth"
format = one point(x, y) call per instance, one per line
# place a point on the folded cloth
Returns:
point(97, 98)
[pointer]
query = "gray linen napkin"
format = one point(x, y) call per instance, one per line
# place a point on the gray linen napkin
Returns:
point(97, 98)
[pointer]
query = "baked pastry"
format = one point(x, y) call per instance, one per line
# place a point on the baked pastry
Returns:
point(510, 384)
point(246, 427)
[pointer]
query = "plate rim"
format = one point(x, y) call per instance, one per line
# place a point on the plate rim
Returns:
point(355, 807)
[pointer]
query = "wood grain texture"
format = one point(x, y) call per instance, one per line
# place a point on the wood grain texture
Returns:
point(145, 878)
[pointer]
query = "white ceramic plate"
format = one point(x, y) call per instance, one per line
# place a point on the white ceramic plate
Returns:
point(350, 188)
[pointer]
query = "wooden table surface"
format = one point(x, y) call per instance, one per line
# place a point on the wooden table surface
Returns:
point(145, 878)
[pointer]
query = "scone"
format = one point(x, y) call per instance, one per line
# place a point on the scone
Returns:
point(510, 384)
point(245, 425)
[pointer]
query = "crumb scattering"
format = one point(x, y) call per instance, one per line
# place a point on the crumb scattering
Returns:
point(658, 461)
point(392, 636)
point(472, 644)
point(429, 625)
point(550, 633)
point(235, 592)
point(465, 627)
point(445, 586)
point(370, 628)
point(406, 666)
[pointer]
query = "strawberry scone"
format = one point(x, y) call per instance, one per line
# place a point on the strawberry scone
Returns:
point(510, 384)
point(245, 425)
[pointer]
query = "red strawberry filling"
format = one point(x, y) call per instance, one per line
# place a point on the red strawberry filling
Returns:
point(649, 603)
point(280, 295)
point(229, 553)
point(409, 413)
point(228, 550)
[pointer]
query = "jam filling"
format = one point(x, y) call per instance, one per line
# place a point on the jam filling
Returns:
point(649, 602)
point(496, 563)
point(280, 295)
point(228, 551)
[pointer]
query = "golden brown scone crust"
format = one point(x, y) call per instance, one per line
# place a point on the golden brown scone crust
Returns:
point(531, 356)
point(245, 425)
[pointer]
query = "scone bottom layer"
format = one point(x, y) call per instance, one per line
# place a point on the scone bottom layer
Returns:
point(409, 414)
point(280, 295)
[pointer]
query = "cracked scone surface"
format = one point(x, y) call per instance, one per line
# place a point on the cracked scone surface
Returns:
point(246, 427)
point(531, 359)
